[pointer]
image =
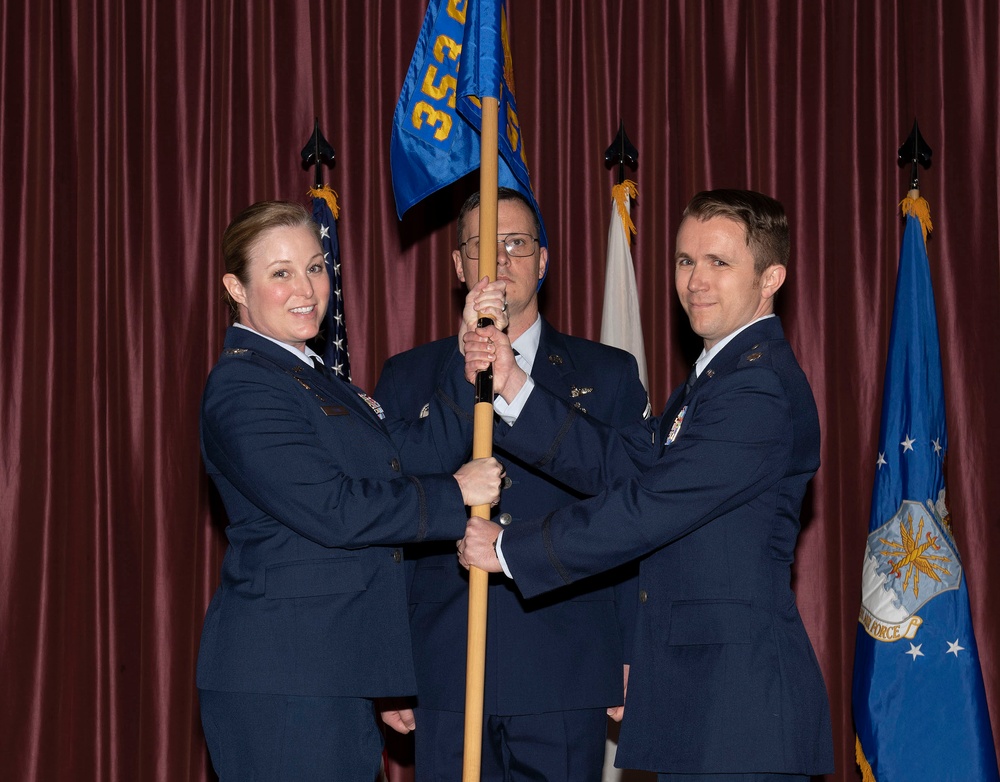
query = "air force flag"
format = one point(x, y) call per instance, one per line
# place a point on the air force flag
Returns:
point(918, 698)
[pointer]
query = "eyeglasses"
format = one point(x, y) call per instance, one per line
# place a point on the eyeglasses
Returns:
point(516, 245)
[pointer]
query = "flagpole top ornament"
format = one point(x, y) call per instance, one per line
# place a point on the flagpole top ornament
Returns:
point(318, 152)
point(915, 151)
point(621, 152)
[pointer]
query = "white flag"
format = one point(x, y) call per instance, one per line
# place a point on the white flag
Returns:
point(621, 326)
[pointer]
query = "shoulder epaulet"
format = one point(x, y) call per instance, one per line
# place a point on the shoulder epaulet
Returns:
point(260, 358)
point(757, 354)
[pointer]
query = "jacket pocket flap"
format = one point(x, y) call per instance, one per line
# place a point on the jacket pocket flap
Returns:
point(313, 578)
point(694, 622)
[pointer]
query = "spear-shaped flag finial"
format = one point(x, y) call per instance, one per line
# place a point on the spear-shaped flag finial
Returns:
point(318, 152)
point(915, 150)
point(621, 152)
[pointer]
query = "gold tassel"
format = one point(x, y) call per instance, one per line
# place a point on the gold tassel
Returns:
point(914, 205)
point(859, 754)
point(329, 195)
point(619, 193)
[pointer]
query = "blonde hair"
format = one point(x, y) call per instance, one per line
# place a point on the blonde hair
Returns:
point(246, 229)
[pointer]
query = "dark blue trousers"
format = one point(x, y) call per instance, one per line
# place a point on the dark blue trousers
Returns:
point(281, 738)
point(560, 746)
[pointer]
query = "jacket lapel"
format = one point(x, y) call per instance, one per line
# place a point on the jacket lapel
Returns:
point(553, 365)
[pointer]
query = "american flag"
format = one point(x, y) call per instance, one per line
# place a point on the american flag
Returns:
point(325, 212)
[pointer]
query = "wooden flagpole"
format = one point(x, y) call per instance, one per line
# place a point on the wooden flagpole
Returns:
point(482, 445)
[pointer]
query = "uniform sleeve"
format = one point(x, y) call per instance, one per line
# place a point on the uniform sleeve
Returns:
point(631, 409)
point(733, 446)
point(437, 438)
point(336, 487)
point(575, 448)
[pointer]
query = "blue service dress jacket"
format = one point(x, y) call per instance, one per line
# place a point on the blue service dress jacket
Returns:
point(559, 652)
point(723, 677)
point(312, 597)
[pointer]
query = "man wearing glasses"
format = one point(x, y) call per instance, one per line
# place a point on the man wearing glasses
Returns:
point(554, 666)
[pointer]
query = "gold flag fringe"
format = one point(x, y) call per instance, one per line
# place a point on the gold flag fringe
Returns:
point(619, 193)
point(329, 195)
point(914, 205)
point(859, 754)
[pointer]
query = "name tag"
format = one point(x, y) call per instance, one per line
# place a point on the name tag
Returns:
point(333, 410)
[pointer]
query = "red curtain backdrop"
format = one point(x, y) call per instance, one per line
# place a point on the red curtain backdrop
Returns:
point(132, 130)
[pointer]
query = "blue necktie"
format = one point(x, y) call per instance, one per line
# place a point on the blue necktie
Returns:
point(692, 378)
point(320, 367)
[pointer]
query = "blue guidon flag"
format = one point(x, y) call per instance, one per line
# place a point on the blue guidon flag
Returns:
point(462, 54)
point(918, 698)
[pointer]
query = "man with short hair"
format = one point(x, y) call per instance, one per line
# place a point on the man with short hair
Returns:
point(554, 665)
point(723, 685)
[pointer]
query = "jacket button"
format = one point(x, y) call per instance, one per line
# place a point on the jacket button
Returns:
point(505, 519)
point(397, 555)
point(395, 465)
point(643, 596)
point(507, 482)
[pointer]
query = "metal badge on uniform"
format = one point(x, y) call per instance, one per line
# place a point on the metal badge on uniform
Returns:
point(333, 410)
point(373, 405)
point(676, 428)
point(425, 410)
point(574, 392)
point(555, 359)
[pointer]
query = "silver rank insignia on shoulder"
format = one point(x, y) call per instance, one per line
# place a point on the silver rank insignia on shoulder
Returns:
point(425, 410)
point(574, 392)
point(555, 359)
point(235, 351)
